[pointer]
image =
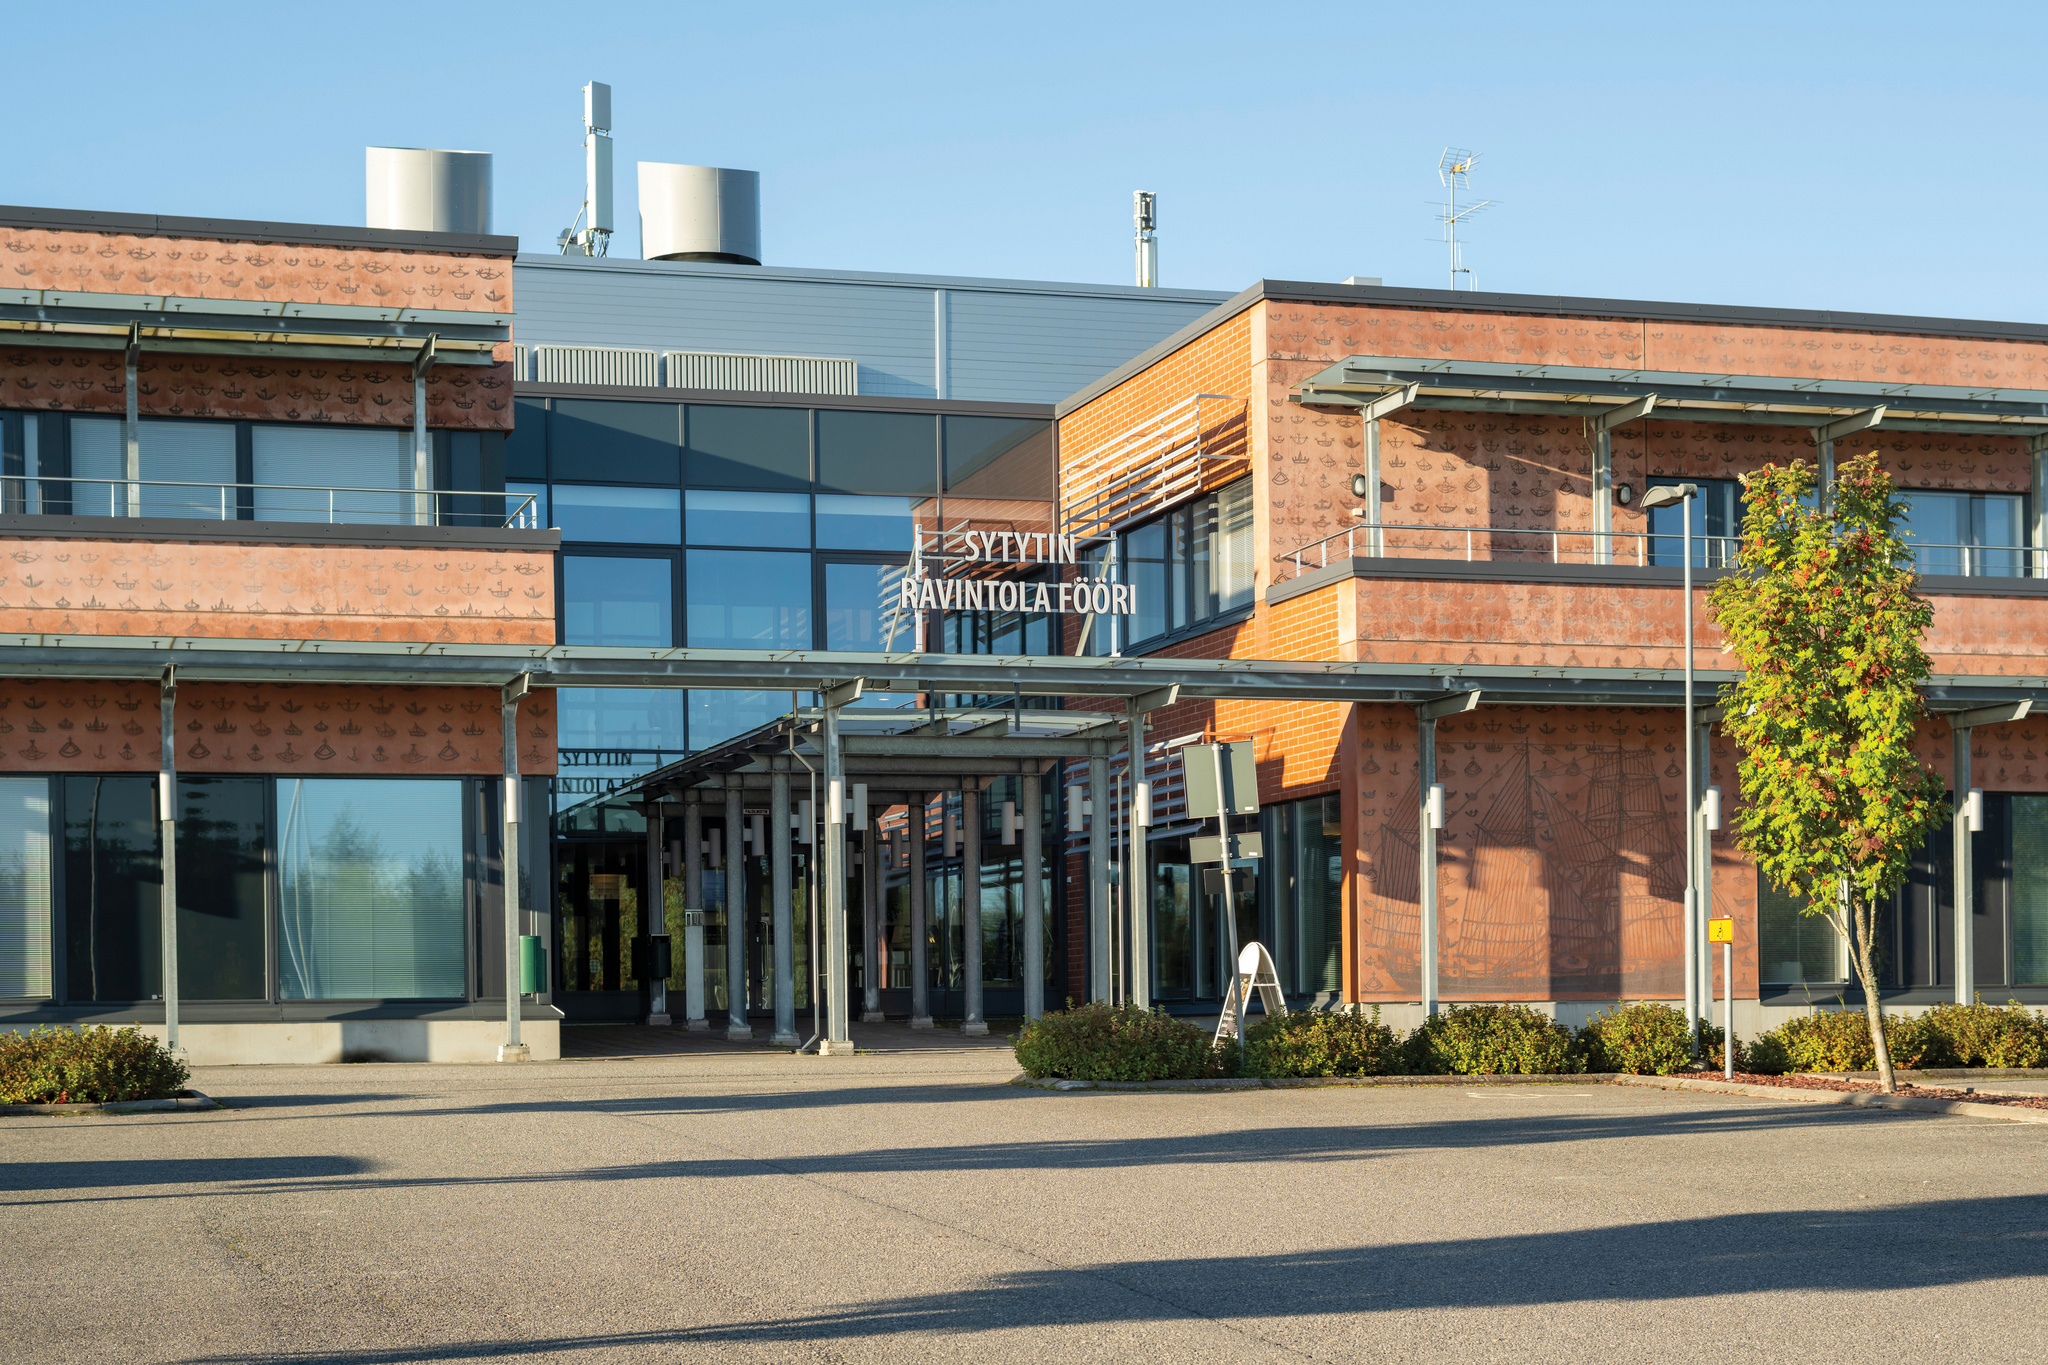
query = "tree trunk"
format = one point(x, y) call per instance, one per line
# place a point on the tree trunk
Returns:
point(1873, 1009)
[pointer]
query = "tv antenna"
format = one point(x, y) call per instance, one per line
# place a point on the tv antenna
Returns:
point(1454, 171)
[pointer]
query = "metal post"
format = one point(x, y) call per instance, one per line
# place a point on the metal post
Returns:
point(131, 422)
point(1137, 870)
point(1965, 972)
point(1374, 542)
point(514, 1048)
point(972, 1020)
point(1603, 497)
point(167, 835)
point(422, 451)
point(2037, 450)
point(1728, 1014)
point(874, 952)
point(1034, 896)
point(654, 919)
point(1697, 978)
point(920, 956)
point(783, 913)
point(832, 904)
point(693, 915)
point(1100, 911)
point(1425, 772)
point(737, 1030)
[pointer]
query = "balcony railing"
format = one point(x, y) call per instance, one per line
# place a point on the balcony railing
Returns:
point(335, 505)
point(1519, 545)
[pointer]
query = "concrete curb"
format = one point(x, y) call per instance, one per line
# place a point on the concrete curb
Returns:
point(2011, 1113)
point(186, 1099)
point(1311, 1082)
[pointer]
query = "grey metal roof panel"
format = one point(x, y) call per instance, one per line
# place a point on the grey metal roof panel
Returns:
point(1315, 291)
point(244, 230)
point(791, 274)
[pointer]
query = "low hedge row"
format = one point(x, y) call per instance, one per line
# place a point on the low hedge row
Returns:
point(1123, 1043)
point(55, 1065)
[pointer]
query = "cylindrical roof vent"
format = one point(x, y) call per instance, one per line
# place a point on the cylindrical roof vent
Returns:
point(699, 213)
point(422, 189)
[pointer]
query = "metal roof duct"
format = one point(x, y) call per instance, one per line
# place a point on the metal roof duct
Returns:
point(423, 189)
point(699, 213)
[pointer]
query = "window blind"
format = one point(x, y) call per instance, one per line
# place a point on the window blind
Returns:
point(312, 460)
point(177, 452)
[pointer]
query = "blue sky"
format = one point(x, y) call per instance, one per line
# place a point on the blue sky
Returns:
point(1871, 157)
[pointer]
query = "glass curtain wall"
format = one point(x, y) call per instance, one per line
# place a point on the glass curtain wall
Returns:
point(24, 888)
point(1191, 566)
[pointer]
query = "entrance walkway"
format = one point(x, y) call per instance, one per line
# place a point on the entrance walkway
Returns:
point(591, 1041)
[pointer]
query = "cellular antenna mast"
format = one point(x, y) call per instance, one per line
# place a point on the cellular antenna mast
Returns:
point(1454, 170)
point(1145, 217)
point(595, 218)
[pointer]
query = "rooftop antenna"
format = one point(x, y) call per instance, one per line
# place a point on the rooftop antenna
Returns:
point(594, 238)
point(1454, 171)
point(1145, 213)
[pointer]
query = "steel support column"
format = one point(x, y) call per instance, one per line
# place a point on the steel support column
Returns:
point(737, 1029)
point(131, 425)
point(920, 956)
point(693, 909)
point(514, 1048)
point(1137, 869)
point(167, 836)
point(783, 919)
point(874, 952)
point(1963, 734)
point(1425, 872)
point(832, 904)
point(1034, 896)
point(654, 919)
point(972, 1021)
point(1101, 909)
point(422, 449)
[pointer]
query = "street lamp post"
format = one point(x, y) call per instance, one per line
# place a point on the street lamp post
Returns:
point(1696, 970)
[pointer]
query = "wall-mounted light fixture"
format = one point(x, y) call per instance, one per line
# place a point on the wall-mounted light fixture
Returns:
point(1624, 493)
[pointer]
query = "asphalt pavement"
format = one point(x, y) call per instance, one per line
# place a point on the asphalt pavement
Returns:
point(706, 1202)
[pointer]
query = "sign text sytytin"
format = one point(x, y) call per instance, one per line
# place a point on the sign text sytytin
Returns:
point(921, 591)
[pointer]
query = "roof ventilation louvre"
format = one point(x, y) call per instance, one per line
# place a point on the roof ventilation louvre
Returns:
point(760, 373)
point(621, 365)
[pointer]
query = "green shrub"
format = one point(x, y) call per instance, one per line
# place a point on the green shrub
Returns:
point(86, 1066)
point(1764, 1055)
point(1492, 1040)
point(1643, 1039)
point(1986, 1035)
point(1312, 1043)
point(1118, 1043)
point(1839, 1040)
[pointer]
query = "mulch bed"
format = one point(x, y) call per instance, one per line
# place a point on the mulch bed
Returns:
point(1926, 1092)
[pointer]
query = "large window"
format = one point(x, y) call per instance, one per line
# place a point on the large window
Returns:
point(592, 513)
point(1794, 948)
point(178, 453)
point(1190, 566)
point(859, 599)
point(740, 447)
point(749, 599)
point(24, 887)
point(849, 521)
point(312, 459)
point(221, 901)
point(1716, 513)
point(616, 600)
point(1973, 534)
point(878, 452)
point(617, 442)
point(1309, 895)
point(370, 889)
point(768, 521)
point(112, 884)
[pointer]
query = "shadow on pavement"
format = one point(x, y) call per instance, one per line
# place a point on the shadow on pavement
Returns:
point(1905, 1248)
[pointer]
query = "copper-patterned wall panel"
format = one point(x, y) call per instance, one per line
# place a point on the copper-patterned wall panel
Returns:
point(65, 726)
point(1615, 625)
point(1559, 873)
point(259, 388)
point(276, 591)
point(90, 262)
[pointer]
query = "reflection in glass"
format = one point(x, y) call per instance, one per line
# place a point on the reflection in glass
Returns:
point(878, 452)
point(616, 441)
point(851, 522)
point(743, 447)
point(859, 600)
point(1000, 457)
point(370, 877)
point(1173, 942)
point(2030, 890)
point(608, 600)
point(1716, 512)
point(524, 513)
point(749, 599)
point(629, 718)
point(1971, 534)
point(771, 521)
point(597, 513)
point(112, 880)
point(221, 829)
point(24, 887)
point(1793, 947)
point(717, 715)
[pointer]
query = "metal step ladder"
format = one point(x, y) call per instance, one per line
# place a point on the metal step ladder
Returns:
point(1255, 971)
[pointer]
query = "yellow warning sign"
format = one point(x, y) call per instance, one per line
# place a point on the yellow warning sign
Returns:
point(1720, 931)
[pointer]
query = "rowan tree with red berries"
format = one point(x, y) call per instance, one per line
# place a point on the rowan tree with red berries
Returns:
point(1825, 617)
